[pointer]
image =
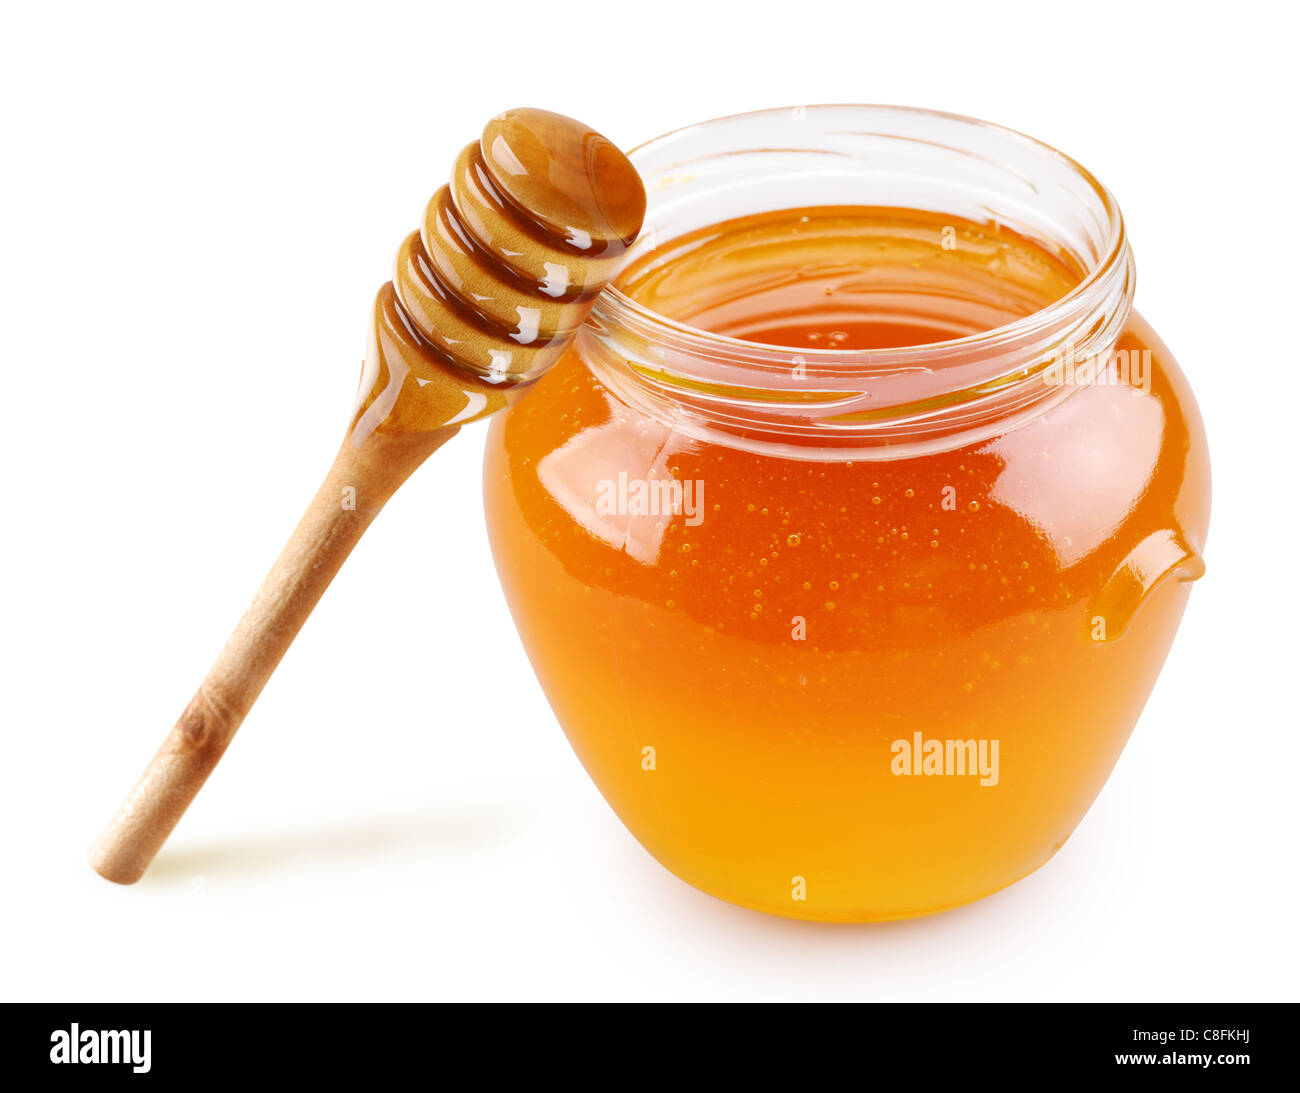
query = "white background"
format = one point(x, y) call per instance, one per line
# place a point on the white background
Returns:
point(196, 206)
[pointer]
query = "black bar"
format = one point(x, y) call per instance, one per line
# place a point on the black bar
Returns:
point(385, 1043)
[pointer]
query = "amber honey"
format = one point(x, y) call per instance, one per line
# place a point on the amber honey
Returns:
point(849, 278)
point(773, 658)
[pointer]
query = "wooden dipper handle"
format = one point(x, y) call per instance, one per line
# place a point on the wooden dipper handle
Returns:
point(351, 496)
point(484, 299)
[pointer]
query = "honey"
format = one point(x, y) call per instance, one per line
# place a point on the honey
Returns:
point(848, 608)
point(849, 278)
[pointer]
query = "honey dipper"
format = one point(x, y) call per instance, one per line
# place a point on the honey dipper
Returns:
point(484, 298)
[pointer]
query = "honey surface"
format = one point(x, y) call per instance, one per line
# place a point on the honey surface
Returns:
point(736, 677)
point(849, 278)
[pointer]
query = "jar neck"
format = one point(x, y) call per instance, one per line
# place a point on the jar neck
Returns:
point(923, 396)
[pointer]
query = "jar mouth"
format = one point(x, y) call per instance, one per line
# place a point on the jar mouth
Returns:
point(847, 154)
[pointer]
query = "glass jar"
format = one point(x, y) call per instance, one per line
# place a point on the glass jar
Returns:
point(859, 635)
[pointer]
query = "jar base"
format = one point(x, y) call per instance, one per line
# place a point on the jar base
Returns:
point(854, 918)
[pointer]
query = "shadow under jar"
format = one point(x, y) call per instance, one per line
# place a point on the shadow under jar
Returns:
point(849, 539)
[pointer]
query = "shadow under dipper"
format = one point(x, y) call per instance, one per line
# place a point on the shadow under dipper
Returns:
point(370, 840)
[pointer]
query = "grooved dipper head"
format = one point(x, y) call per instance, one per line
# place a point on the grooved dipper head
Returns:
point(565, 177)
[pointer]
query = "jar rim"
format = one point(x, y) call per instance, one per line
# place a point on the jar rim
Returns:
point(618, 307)
point(844, 154)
